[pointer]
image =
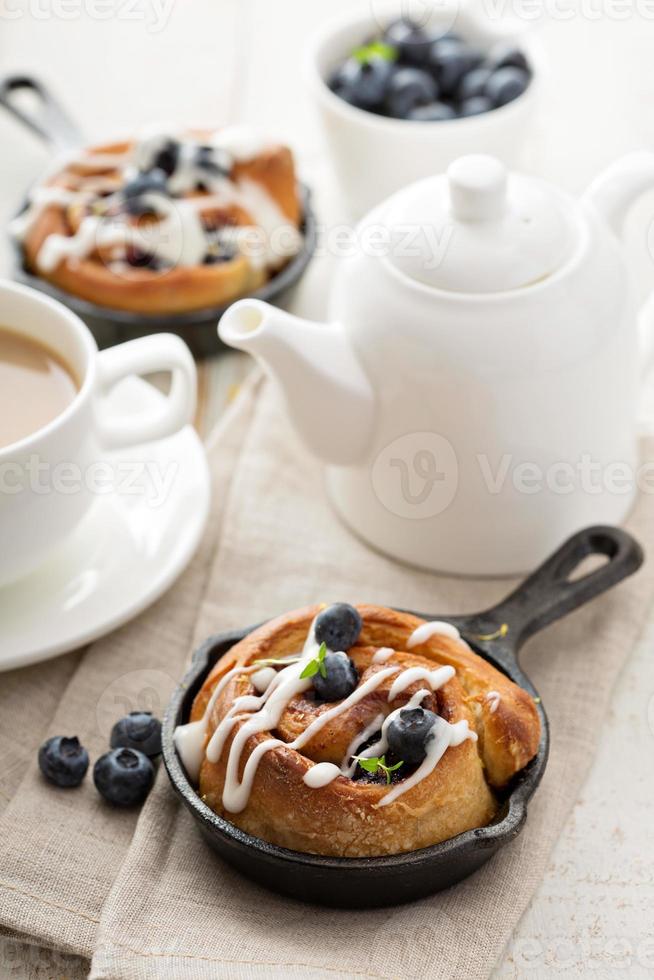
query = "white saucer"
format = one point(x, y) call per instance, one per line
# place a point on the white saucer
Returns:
point(124, 555)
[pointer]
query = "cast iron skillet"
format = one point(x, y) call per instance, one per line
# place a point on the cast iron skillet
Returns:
point(544, 597)
point(197, 327)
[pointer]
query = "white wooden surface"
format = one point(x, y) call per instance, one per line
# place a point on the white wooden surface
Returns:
point(227, 60)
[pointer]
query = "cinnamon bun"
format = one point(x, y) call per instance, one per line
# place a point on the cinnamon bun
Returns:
point(166, 223)
point(356, 732)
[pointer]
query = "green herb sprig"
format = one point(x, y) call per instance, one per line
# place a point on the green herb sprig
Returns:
point(376, 763)
point(376, 49)
point(276, 661)
point(317, 665)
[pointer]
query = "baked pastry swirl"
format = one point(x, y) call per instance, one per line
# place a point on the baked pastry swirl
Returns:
point(166, 223)
point(399, 743)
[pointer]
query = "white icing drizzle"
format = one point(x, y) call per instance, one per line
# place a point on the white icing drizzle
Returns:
point(40, 199)
point(435, 678)
point(263, 678)
point(321, 775)
point(427, 630)
point(444, 736)
point(348, 766)
point(382, 655)
point(189, 738)
point(493, 699)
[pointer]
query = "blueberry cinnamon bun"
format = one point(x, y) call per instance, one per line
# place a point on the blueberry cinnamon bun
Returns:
point(356, 732)
point(166, 223)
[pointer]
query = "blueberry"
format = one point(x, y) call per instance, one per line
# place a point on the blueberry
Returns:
point(213, 160)
point(475, 106)
point(338, 626)
point(408, 89)
point(473, 84)
point(505, 56)
point(341, 679)
point(506, 84)
point(451, 60)
point(123, 777)
point(151, 182)
point(411, 41)
point(363, 83)
point(409, 733)
point(138, 730)
point(63, 761)
point(434, 112)
point(167, 157)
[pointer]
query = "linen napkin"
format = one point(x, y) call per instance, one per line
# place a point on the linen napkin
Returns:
point(146, 897)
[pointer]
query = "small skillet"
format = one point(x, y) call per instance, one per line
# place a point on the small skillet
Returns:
point(547, 595)
point(197, 328)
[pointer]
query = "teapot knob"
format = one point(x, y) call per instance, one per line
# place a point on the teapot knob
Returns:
point(477, 185)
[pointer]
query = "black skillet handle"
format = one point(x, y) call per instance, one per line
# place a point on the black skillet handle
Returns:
point(550, 593)
point(47, 119)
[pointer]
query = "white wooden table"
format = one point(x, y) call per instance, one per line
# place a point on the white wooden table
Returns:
point(229, 60)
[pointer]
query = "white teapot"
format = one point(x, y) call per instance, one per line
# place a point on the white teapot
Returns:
point(475, 391)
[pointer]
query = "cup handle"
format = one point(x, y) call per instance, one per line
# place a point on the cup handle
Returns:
point(147, 355)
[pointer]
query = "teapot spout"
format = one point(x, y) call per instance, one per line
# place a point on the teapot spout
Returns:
point(327, 393)
point(620, 186)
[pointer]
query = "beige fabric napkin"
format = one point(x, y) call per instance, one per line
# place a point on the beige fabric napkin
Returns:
point(164, 906)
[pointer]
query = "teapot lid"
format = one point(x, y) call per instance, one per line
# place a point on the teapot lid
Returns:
point(479, 229)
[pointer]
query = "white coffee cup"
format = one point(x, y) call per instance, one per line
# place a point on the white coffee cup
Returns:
point(34, 516)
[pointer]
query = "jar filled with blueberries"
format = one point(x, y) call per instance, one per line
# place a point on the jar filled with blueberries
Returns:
point(419, 73)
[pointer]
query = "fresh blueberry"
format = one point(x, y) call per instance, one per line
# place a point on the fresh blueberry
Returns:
point(341, 679)
point(213, 160)
point(338, 626)
point(408, 89)
point(411, 41)
point(123, 776)
point(475, 106)
point(152, 182)
point(508, 56)
point(451, 60)
point(167, 157)
point(409, 733)
point(506, 84)
point(363, 83)
point(63, 761)
point(473, 84)
point(138, 730)
point(434, 112)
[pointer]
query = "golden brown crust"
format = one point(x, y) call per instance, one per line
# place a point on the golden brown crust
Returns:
point(344, 818)
point(175, 290)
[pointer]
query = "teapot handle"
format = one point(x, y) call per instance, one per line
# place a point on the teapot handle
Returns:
point(619, 187)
